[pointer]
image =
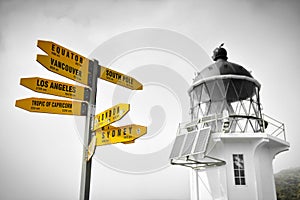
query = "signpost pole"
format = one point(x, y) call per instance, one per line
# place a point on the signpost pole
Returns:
point(94, 72)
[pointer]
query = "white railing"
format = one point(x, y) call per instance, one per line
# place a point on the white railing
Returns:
point(274, 127)
point(232, 123)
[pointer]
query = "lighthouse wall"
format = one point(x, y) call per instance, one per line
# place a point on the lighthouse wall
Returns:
point(248, 172)
point(241, 179)
point(264, 171)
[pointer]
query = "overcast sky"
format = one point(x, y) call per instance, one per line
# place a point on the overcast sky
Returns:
point(41, 153)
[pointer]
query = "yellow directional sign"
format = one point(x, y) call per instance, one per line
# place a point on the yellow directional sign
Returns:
point(53, 106)
point(124, 134)
point(65, 55)
point(69, 70)
point(111, 115)
point(61, 89)
point(119, 79)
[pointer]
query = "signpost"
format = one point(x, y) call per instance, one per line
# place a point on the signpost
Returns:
point(69, 70)
point(65, 55)
point(89, 133)
point(119, 79)
point(124, 134)
point(98, 132)
point(53, 106)
point(56, 88)
point(111, 115)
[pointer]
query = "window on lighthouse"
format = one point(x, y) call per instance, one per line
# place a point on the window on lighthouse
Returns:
point(239, 169)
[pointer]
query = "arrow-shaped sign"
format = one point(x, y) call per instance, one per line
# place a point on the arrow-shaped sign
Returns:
point(119, 79)
point(69, 70)
point(61, 89)
point(111, 115)
point(65, 55)
point(124, 134)
point(53, 106)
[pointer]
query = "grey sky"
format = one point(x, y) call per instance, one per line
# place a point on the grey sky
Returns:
point(41, 154)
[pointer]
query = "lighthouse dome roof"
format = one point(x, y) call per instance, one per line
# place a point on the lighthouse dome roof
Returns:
point(222, 67)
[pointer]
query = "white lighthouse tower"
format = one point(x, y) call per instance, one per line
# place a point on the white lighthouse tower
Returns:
point(229, 143)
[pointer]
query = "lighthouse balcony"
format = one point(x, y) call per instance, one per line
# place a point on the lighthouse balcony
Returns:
point(227, 124)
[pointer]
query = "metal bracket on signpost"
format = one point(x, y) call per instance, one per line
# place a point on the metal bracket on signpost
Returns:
point(94, 71)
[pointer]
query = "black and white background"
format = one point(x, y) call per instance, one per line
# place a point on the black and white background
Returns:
point(160, 42)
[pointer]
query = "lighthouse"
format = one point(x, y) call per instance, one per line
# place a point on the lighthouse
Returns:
point(228, 142)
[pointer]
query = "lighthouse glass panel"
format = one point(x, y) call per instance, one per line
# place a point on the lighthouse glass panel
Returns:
point(234, 95)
